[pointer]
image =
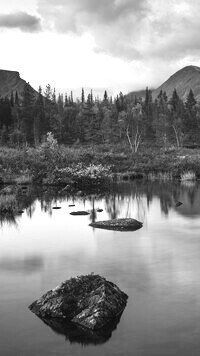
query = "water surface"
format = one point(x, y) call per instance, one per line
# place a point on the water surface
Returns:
point(158, 266)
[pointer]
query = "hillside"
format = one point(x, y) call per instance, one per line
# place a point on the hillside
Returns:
point(185, 79)
point(139, 94)
point(11, 81)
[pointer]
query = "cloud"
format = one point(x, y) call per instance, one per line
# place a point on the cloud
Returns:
point(25, 22)
point(130, 29)
point(109, 21)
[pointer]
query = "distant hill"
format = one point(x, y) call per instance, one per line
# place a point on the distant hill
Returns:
point(11, 81)
point(139, 94)
point(185, 79)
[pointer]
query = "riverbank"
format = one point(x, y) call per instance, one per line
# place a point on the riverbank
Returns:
point(94, 165)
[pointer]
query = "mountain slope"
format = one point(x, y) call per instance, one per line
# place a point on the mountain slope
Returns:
point(11, 81)
point(185, 79)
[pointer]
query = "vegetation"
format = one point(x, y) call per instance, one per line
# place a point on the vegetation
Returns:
point(50, 139)
point(162, 123)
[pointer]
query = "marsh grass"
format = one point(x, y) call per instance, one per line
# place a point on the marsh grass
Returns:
point(54, 164)
point(8, 203)
point(188, 176)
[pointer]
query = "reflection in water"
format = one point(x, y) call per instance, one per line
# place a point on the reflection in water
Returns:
point(77, 334)
point(27, 265)
point(124, 195)
point(158, 267)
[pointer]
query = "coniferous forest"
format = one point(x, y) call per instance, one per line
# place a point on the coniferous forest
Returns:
point(163, 122)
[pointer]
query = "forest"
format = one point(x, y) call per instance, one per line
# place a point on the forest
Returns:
point(164, 122)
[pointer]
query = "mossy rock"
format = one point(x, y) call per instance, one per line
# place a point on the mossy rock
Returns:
point(89, 301)
point(118, 224)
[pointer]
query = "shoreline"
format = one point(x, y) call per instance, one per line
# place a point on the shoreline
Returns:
point(90, 167)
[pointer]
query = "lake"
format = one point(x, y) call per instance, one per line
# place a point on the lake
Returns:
point(158, 267)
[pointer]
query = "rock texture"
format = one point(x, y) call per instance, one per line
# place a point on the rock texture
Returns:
point(118, 224)
point(89, 301)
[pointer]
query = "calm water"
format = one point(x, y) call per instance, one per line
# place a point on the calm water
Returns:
point(158, 266)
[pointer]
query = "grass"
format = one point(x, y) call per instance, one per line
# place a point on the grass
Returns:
point(59, 164)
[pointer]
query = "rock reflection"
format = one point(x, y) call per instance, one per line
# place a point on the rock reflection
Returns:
point(77, 334)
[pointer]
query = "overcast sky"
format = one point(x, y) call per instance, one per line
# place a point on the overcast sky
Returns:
point(118, 45)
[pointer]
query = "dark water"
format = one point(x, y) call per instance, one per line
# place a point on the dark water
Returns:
point(158, 266)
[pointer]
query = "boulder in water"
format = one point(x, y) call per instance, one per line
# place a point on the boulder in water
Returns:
point(88, 301)
point(79, 213)
point(118, 224)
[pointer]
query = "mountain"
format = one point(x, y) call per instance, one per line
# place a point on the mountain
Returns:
point(185, 79)
point(11, 81)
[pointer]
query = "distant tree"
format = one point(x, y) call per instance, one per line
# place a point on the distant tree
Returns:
point(16, 99)
point(134, 127)
point(27, 113)
point(149, 116)
point(82, 96)
point(175, 118)
point(12, 103)
point(105, 97)
point(191, 121)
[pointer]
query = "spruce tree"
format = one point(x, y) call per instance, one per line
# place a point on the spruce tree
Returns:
point(82, 96)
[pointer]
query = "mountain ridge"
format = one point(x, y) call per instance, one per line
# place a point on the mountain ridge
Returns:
point(10, 81)
point(183, 80)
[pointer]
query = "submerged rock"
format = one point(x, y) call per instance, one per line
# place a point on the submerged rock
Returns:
point(70, 205)
point(118, 224)
point(79, 213)
point(99, 210)
point(56, 207)
point(89, 301)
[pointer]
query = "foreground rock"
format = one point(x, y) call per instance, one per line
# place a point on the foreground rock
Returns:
point(118, 224)
point(89, 301)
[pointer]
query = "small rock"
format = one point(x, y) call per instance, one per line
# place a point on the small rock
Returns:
point(99, 210)
point(79, 213)
point(56, 207)
point(178, 204)
point(70, 205)
point(118, 224)
point(89, 301)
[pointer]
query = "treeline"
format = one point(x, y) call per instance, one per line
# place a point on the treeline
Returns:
point(162, 122)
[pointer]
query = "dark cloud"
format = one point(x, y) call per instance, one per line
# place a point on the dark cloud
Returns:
point(112, 22)
point(25, 22)
point(130, 29)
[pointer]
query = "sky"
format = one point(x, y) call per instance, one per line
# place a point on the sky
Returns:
point(117, 45)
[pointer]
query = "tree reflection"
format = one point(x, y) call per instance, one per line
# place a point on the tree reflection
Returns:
point(123, 200)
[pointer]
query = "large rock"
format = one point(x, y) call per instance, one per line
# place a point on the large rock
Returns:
point(89, 301)
point(118, 224)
